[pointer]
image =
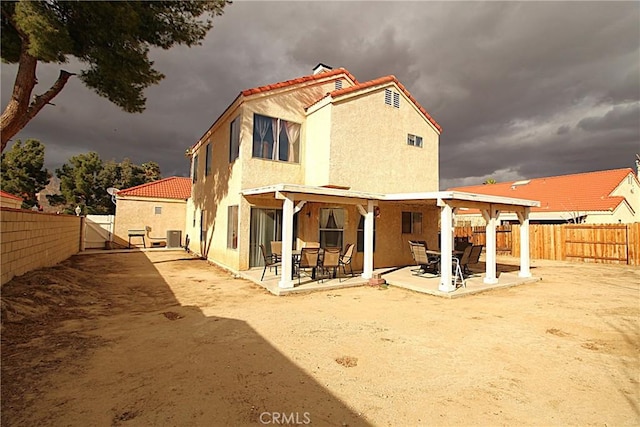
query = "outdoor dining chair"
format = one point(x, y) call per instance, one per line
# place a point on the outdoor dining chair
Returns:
point(269, 261)
point(423, 261)
point(330, 262)
point(458, 264)
point(276, 250)
point(308, 260)
point(346, 258)
point(474, 258)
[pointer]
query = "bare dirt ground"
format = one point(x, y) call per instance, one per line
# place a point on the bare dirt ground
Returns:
point(135, 339)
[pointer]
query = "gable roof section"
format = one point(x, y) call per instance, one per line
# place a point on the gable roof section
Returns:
point(174, 187)
point(9, 196)
point(304, 79)
point(381, 81)
point(589, 191)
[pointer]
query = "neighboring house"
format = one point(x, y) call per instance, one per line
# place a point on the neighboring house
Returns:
point(9, 200)
point(160, 205)
point(601, 197)
point(321, 158)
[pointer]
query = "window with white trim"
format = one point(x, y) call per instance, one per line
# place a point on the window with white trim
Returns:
point(276, 139)
point(207, 159)
point(414, 140)
point(234, 139)
point(331, 227)
point(411, 223)
point(195, 168)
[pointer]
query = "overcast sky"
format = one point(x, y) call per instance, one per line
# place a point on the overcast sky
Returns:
point(522, 89)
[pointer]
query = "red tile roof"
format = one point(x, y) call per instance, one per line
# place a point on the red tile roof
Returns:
point(381, 81)
point(589, 191)
point(9, 196)
point(299, 80)
point(174, 187)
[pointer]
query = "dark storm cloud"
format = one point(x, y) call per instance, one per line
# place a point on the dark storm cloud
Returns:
point(521, 89)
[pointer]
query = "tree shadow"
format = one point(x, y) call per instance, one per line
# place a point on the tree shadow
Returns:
point(118, 345)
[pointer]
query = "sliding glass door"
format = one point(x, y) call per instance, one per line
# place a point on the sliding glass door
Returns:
point(266, 226)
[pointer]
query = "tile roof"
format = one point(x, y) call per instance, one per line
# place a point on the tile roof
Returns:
point(9, 196)
point(174, 187)
point(380, 81)
point(589, 191)
point(299, 80)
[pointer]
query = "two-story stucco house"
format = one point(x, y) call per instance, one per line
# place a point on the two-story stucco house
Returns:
point(322, 158)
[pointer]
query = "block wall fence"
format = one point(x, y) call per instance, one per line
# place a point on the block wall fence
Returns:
point(32, 240)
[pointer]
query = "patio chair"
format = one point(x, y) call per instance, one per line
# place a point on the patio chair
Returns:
point(461, 244)
point(346, 257)
point(330, 261)
point(311, 244)
point(422, 259)
point(269, 261)
point(474, 258)
point(308, 260)
point(276, 250)
point(458, 264)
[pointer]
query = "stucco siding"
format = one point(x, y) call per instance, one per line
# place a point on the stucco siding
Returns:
point(317, 147)
point(369, 149)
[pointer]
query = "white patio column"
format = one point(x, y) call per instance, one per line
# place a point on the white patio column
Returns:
point(446, 248)
point(367, 268)
point(491, 217)
point(523, 217)
point(287, 236)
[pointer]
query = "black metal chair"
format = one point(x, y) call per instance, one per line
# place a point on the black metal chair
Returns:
point(474, 258)
point(269, 261)
point(424, 262)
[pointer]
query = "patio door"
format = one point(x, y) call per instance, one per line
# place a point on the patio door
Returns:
point(266, 226)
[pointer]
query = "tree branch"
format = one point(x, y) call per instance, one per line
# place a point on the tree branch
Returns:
point(41, 100)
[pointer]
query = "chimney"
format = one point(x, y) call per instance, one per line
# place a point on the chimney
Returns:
point(321, 68)
point(638, 166)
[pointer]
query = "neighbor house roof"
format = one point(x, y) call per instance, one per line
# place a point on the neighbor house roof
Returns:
point(381, 81)
point(174, 187)
point(9, 196)
point(589, 191)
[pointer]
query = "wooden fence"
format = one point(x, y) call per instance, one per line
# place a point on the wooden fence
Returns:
point(603, 243)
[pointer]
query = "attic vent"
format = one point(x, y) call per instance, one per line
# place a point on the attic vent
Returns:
point(392, 98)
point(338, 84)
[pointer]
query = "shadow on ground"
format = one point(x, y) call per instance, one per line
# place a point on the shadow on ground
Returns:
point(102, 340)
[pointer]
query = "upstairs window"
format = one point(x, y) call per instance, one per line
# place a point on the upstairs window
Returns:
point(234, 139)
point(207, 160)
point(195, 168)
point(414, 140)
point(157, 210)
point(275, 139)
point(392, 98)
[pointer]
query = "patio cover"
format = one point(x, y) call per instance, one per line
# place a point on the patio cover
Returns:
point(294, 197)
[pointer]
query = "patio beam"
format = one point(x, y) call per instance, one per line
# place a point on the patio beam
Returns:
point(286, 281)
point(491, 217)
point(524, 244)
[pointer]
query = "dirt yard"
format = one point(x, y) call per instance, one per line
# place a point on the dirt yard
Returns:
point(160, 339)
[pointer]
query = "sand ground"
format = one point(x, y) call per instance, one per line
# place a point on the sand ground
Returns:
point(161, 339)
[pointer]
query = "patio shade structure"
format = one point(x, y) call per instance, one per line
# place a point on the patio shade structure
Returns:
point(294, 197)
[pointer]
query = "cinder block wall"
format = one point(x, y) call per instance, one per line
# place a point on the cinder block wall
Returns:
point(32, 240)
